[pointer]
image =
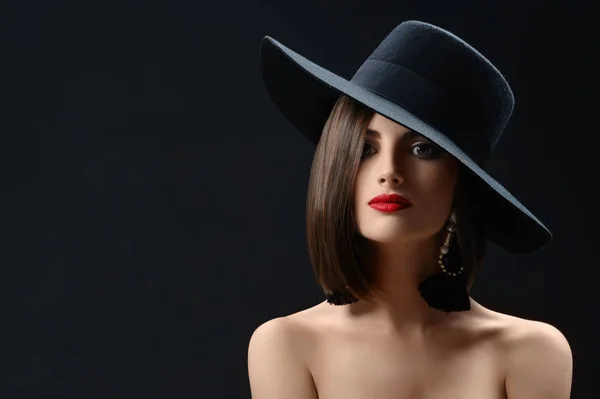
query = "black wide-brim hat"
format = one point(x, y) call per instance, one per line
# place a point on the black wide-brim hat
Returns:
point(428, 80)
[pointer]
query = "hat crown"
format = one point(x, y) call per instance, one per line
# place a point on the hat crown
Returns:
point(441, 78)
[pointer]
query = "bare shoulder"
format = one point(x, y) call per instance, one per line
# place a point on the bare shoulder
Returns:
point(524, 332)
point(519, 333)
point(537, 357)
point(276, 361)
point(285, 335)
point(294, 331)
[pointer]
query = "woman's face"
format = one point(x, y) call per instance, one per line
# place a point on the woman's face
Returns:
point(398, 160)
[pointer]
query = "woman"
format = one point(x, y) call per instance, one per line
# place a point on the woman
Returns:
point(398, 211)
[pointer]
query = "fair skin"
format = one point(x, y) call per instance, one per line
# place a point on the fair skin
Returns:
point(397, 160)
point(394, 346)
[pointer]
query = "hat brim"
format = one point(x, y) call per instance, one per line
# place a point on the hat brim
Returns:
point(305, 94)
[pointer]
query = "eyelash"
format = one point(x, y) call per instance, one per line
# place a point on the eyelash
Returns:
point(435, 151)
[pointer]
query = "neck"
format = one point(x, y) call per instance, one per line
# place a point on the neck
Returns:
point(397, 305)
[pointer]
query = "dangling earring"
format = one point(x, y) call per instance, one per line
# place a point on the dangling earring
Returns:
point(447, 290)
point(340, 298)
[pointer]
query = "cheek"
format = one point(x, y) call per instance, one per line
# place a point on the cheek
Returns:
point(361, 190)
point(358, 192)
point(437, 181)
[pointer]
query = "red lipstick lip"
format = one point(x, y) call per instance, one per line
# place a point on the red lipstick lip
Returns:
point(388, 206)
point(391, 198)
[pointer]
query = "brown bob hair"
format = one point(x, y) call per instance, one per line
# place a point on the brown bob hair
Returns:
point(341, 258)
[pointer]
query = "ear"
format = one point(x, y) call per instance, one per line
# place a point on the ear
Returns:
point(453, 216)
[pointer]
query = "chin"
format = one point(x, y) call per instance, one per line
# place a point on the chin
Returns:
point(390, 232)
point(387, 235)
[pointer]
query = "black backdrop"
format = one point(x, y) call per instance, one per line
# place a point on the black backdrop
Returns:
point(169, 193)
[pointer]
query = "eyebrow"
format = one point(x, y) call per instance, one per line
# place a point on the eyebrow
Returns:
point(411, 134)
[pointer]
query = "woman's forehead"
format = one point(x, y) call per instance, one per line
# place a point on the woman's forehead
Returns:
point(380, 125)
point(406, 134)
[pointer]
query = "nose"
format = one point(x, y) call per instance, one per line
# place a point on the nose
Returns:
point(391, 179)
point(391, 172)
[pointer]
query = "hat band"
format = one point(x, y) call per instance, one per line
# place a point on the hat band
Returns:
point(456, 118)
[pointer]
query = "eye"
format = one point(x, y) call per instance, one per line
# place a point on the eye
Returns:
point(425, 150)
point(365, 149)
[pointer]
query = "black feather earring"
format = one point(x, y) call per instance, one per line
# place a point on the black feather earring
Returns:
point(447, 289)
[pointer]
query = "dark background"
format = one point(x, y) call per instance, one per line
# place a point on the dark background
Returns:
point(169, 193)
